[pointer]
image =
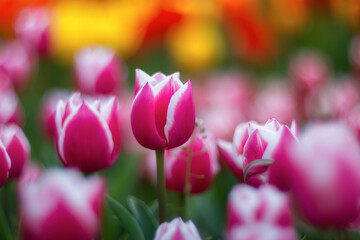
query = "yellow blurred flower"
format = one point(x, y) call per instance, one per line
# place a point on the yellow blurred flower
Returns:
point(348, 11)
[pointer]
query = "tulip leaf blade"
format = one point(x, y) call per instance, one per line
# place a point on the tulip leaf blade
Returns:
point(5, 232)
point(144, 217)
point(126, 219)
point(259, 163)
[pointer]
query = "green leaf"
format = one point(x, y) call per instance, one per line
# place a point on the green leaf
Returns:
point(126, 219)
point(5, 232)
point(144, 217)
point(254, 164)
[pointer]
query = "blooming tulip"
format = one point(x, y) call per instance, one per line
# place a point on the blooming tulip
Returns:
point(88, 132)
point(32, 26)
point(162, 114)
point(10, 106)
point(17, 146)
point(61, 204)
point(258, 214)
point(253, 142)
point(17, 62)
point(177, 230)
point(98, 70)
point(5, 164)
point(325, 180)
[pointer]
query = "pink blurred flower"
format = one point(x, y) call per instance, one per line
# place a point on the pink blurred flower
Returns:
point(275, 101)
point(48, 109)
point(355, 54)
point(32, 26)
point(177, 230)
point(201, 148)
point(17, 61)
point(162, 114)
point(253, 142)
point(89, 132)
point(61, 204)
point(98, 70)
point(10, 106)
point(325, 181)
point(258, 214)
point(17, 146)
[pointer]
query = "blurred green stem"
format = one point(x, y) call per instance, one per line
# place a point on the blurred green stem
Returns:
point(161, 190)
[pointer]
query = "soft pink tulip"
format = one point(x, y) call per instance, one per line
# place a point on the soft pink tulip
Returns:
point(252, 142)
point(177, 230)
point(48, 109)
point(325, 180)
point(98, 70)
point(10, 106)
point(61, 204)
point(258, 214)
point(163, 113)
point(88, 132)
point(201, 148)
point(17, 146)
point(32, 26)
point(17, 61)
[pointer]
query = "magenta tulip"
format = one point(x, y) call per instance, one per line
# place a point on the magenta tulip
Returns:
point(177, 230)
point(163, 113)
point(61, 204)
point(98, 70)
point(17, 146)
point(88, 132)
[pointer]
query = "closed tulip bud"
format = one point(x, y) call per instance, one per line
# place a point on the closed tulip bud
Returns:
point(48, 109)
point(5, 164)
point(17, 61)
point(201, 153)
point(254, 142)
point(163, 113)
point(252, 212)
point(88, 132)
point(177, 230)
point(17, 146)
point(61, 204)
point(32, 26)
point(325, 181)
point(98, 71)
point(10, 106)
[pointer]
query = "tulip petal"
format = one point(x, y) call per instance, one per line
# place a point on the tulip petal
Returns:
point(5, 164)
point(143, 119)
point(240, 137)
point(180, 120)
point(228, 154)
point(141, 78)
point(254, 148)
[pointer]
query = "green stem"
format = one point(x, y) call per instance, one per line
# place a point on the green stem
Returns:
point(187, 177)
point(161, 185)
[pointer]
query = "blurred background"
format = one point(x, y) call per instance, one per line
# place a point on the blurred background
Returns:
point(247, 60)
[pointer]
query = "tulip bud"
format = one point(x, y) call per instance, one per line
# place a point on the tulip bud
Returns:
point(61, 204)
point(98, 71)
point(17, 62)
point(258, 214)
point(17, 146)
point(48, 109)
point(10, 106)
point(254, 142)
point(32, 26)
point(325, 179)
point(201, 149)
point(5, 164)
point(88, 132)
point(177, 230)
point(163, 113)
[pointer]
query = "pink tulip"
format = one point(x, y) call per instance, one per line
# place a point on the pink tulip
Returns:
point(98, 70)
point(10, 106)
point(258, 214)
point(163, 113)
point(5, 164)
point(88, 132)
point(32, 26)
point(253, 142)
point(177, 230)
point(17, 61)
point(17, 147)
point(201, 148)
point(61, 204)
point(325, 179)
point(48, 109)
